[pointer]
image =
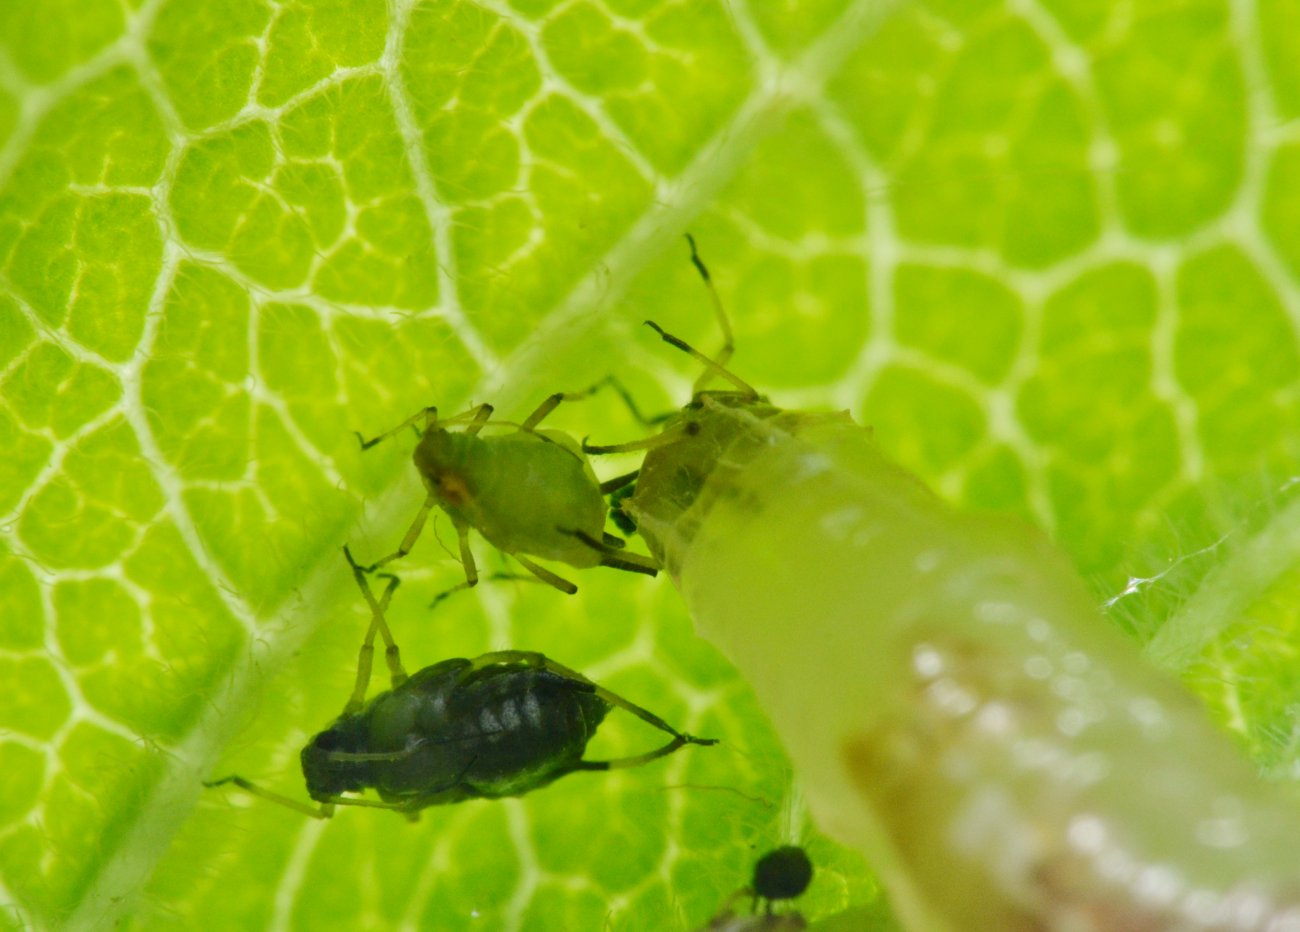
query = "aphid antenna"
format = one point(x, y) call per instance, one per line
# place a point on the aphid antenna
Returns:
point(610, 381)
point(724, 322)
point(671, 435)
point(618, 482)
point(613, 554)
point(713, 368)
point(378, 626)
point(323, 811)
point(638, 760)
point(721, 788)
point(491, 577)
point(424, 414)
point(425, 419)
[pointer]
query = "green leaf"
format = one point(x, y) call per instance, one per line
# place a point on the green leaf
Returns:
point(1045, 251)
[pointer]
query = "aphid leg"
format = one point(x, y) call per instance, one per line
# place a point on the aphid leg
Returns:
point(411, 536)
point(618, 482)
point(679, 738)
point(470, 565)
point(614, 557)
point(612, 540)
point(352, 757)
point(620, 763)
point(545, 575)
point(713, 369)
point(324, 811)
point(426, 415)
point(477, 418)
point(494, 577)
point(367, 803)
point(466, 555)
point(632, 562)
point(546, 663)
point(652, 420)
point(378, 625)
point(728, 338)
point(664, 438)
point(549, 405)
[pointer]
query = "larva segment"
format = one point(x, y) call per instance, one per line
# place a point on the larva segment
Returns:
point(955, 705)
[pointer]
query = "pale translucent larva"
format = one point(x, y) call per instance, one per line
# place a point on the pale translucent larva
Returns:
point(952, 700)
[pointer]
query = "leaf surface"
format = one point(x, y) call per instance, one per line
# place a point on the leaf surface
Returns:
point(1044, 249)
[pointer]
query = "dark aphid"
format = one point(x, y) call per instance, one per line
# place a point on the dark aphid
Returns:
point(529, 492)
point(782, 874)
point(502, 724)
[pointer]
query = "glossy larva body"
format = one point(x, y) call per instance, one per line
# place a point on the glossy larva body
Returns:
point(953, 702)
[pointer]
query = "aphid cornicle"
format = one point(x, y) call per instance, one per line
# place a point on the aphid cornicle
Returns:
point(954, 703)
point(502, 724)
point(529, 492)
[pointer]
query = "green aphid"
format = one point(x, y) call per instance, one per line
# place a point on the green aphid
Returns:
point(529, 492)
point(502, 724)
point(682, 456)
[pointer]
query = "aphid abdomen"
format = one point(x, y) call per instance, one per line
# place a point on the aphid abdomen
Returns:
point(958, 710)
point(408, 719)
point(527, 727)
point(531, 491)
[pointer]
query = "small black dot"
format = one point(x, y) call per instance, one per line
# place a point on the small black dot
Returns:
point(782, 873)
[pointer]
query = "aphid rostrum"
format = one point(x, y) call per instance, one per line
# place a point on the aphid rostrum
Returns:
point(528, 492)
point(502, 724)
point(954, 703)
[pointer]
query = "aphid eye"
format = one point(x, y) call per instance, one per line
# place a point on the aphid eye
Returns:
point(453, 489)
point(327, 741)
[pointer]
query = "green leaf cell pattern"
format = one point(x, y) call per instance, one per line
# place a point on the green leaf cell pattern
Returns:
point(1045, 249)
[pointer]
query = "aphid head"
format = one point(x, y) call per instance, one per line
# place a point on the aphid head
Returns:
point(326, 776)
point(440, 458)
